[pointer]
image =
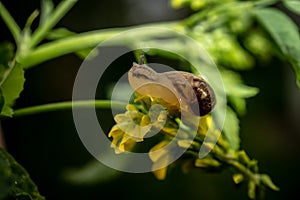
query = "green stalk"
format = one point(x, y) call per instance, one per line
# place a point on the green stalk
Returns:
point(222, 156)
point(58, 13)
point(244, 170)
point(100, 104)
point(10, 23)
point(64, 46)
point(88, 40)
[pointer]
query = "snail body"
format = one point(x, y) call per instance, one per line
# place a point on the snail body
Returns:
point(181, 89)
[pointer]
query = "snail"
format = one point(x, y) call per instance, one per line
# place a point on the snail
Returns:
point(184, 90)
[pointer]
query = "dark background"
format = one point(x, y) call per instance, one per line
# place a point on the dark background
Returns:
point(47, 144)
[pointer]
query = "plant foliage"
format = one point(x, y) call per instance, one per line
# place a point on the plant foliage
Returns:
point(237, 34)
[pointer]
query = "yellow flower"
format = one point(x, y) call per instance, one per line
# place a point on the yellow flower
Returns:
point(147, 114)
point(120, 141)
point(160, 159)
point(160, 174)
point(206, 123)
point(133, 125)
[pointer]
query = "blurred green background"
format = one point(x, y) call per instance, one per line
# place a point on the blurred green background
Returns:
point(47, 144)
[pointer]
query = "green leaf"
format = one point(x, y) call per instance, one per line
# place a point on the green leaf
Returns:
point(234, 85)
point(239, 104)
point(46, 10)
point(285, 34)
point(6, 54)
point(11, 86)
point(232, 128)
point(11, 79)
point(15, 182)
point(293, 5)
point(237, 91)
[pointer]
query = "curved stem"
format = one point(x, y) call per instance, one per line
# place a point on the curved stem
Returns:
point(10, 22)
point(68, 105)
point(64, 46)
point(91, 39)
point(59, 12)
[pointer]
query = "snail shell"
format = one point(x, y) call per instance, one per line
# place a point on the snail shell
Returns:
point(181, 89)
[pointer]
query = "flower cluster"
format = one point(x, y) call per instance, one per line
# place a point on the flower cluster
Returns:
point(133, 125)
point(148, 115)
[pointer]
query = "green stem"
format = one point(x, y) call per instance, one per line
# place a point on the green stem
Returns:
point(244, 170)
point(241, 168)
point(219, 154)
point(10, 23)
point(59, 12)
point(68, 105)
point(64, 46)
point(88, 40)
